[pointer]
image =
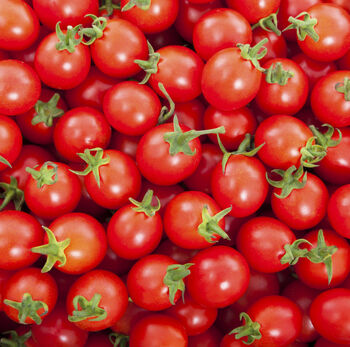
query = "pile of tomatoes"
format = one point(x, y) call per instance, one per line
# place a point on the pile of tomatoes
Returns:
point(175, 173)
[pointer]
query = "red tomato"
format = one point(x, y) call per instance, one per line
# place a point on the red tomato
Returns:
point(165, 38)
point(4, 276)
point(210, 338)
point(19, 87)
point(180, 255)
point(124, 143)
point(219, 277)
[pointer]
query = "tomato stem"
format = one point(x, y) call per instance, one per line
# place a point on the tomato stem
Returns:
point(276, 74)
point(250, 329)
point(304, 27)
point(11, 193)
point(150, 66)
point(269, 23)
point(15, 340)
point(45, 176)
point(255, 53)
point(141, 4)
point(165, 113)
point(145, 205)
point(118, 340)
point(68, 41)
point(344, 88)
point(98, 26)
point(109, 6)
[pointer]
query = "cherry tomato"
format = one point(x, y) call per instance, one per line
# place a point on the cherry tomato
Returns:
point(210, 338)
point(124, 143)
point(180, 255)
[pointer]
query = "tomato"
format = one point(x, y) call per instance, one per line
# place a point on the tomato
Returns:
point(344, 62)
point(210, 338)
point(19, 87)
point(338, 210)
point(219, 277)
point(45, 114)
point(158, 330)
point(61, 69)
point(114, 53)
point(180, 255)
point(329, 313)
point(218, 29)
point(29, 295)
point(4, 276)
point(336, 113)
point(164, 38)
point(65, 11)
point(19, 232)
point(97, 294)
point(303, 208)
point(261, 255)
point(180, 71)
point(321, 342)
point(277, 96)
point(10, 142)
point(160, 15)
point(284, 136)
point(56, 192)
point(124, 143)
point(231, 341)
point(131, 108)
point(57, 331)
point(19, 25)
point(315, 275)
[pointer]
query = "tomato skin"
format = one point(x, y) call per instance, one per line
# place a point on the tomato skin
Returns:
point(19, 232)
point(127, 227)
point(264, 256)
point(180, 71)
point(121, 44)
point(210, 338)
point(155, 162)
point(79, 129)
point(243, 185)
point(219, 277)
point(329, 313)
point(158, 330)
point(336, 113)
point(19, 87)
point(145, 282)
point(114, 297)
point(338, 210)
point(321, 342)
point(40, 286)
point(131, 108)
point(17, 34)
point(159, 17)
point(52, 201)
point(218, 29)
point(4, 276)
point(315, 275)
point(238, 84)
point(303, 208)
point(124, 143)
point(119, 180)
point(287, 99)
point(180, 255)
point(70, 68)
point(284, 136)
point(10, 141)
point(65, 11)
point(231, 341)
point(334, 43)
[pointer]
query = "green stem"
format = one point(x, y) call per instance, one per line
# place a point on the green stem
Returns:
point(250, 329)
point(344, 88)
point(304, 27)
point(255, 53)
point(68, 41)
point(269, 23)
point(141, 4)
point(46, 175)
point(15, 340)
point(165, 113)
point(46, 112)
point(275, 74)
point(145, 205)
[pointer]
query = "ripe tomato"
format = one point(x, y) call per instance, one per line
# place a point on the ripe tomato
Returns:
point(180, 255)
point(210, 338)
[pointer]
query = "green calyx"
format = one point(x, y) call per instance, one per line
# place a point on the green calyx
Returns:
point(145, 205)
point(179, 140)
point(245, 148)
point(15, 340)
point(165, 113)
point(93, 163)
point(85, 309)
point(118, 340)
point(109, 6)
point(47, 175)
point(289, 181)
point(173, 279)
point(69, 40)
point(209, 227)
point(344, 88)
point(98, 25)
point(304, 27)
point(150, 66)
point(5, 161)
point(141, 4)
point(250, 329)
point(276, 75)
point(269, 23)
point(325, 139)
point(46, 112)
point(11, 192)
point(54, 251)
point(255, 53)
point(294, 253)
point(28, 308)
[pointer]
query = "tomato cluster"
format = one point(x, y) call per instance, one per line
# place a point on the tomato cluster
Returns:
point(174, 173)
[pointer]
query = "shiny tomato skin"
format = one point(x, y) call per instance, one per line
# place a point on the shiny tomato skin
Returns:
point(190, 113)
point(19, 25)
point(19, 87)
point(264, 256)
point(210, 338)
point(114, 53)
point(231, 341)
point(236, 86)
point(70, 68)
point(315, 275)
point(180, 71)
point(219, 277)
point(329, 313)
point(180, 255)
point(19, 232)
point(218, 29)
point(124, 143)
point(243, 185)
point(158, 330)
